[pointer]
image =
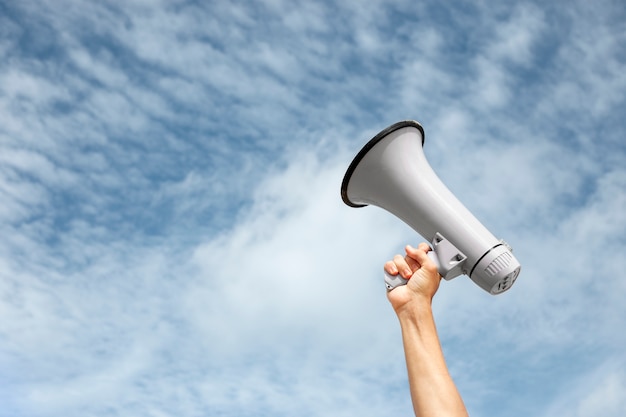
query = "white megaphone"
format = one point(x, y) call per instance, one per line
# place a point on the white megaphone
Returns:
point(391, 172)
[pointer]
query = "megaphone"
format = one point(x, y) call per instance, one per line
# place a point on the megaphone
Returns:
point(391, 172)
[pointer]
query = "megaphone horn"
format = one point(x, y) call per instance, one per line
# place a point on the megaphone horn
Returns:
point(391, 172)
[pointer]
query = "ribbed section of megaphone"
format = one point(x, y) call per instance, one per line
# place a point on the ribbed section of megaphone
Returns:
point(391, 172)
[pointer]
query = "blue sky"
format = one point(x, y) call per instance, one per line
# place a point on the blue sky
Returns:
point(173, 241)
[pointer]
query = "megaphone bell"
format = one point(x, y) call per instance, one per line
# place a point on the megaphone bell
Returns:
point(391, 172)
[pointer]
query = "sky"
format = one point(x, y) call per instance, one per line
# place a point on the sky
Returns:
point(172, 237)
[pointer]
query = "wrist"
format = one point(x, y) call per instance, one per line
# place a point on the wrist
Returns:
point(414, 309)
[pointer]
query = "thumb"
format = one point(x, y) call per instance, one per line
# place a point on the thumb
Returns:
point(420, 254)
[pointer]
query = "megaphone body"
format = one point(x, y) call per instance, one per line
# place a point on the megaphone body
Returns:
point(391, 172)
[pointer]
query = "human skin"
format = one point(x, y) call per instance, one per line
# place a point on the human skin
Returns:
point(433, 391)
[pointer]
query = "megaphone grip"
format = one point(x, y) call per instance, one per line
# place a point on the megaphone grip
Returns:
point(394, 281)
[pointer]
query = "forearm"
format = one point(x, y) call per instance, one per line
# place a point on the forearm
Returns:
point(432, 390)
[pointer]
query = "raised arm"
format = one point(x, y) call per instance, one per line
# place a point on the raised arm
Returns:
point(433, 391)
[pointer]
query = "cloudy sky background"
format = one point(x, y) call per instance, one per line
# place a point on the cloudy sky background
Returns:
point(173, 241)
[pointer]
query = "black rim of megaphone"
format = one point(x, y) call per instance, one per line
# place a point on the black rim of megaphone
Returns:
point(368, 146)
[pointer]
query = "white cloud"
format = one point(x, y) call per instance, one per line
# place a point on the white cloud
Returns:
point(598, 393)
point(287, 259)
point(517, 36)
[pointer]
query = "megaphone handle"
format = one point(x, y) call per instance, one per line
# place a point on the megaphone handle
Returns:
point(393, 281)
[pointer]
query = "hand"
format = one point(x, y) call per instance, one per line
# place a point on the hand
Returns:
point(422, 274)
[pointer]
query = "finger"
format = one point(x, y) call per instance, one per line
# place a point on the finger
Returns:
point(403, 266)
point(390, 268)
point(420, 255)
point(412, 262)
point(424, 246)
